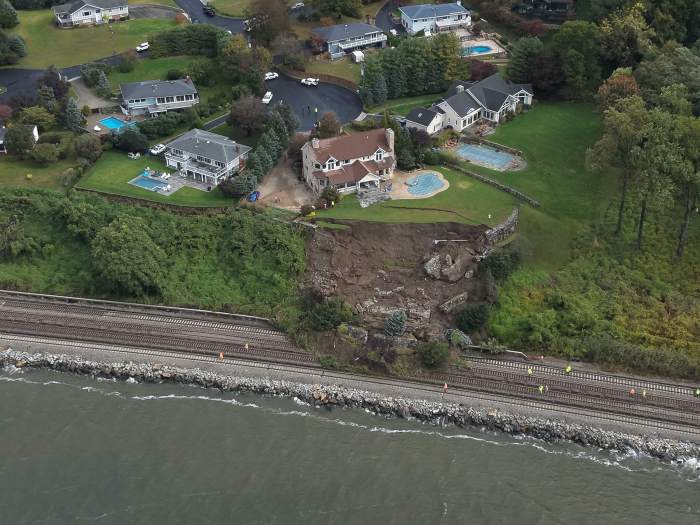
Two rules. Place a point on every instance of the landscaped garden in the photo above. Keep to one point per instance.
(112, 173)
(48, 45)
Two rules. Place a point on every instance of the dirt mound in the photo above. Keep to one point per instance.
(425, 269)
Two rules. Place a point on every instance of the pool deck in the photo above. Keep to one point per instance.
(95, 118)
(399, 188)
(495, 48)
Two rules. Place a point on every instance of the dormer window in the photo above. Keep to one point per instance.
(379, 155)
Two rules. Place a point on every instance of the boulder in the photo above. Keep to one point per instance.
(453, 302)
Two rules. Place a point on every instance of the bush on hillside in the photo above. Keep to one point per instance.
(433, 353)
(472, 317)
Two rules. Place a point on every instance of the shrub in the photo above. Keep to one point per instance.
(306, 209)
(502, 264)
(128, 62)
(8, 15)
(19, 140)
(240, 91)
(132, 141)
(433, 353)
(395, 324)
(44, 154)
(88, 147)
(330, 194)
(174, 74)
(325, 314)
(472, 317)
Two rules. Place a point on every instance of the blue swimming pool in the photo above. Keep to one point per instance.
(424, 184)
(147, 183)
(476, 50)
(486, 157)
(114, 123)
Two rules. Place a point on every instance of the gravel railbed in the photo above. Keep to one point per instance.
(547, 429)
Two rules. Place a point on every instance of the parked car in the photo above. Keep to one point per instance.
(143, 46)
(310, 81)
(209, 10)
(254, 196)
(298, 5)
(267, 98)
(271, 75)
(157, 149)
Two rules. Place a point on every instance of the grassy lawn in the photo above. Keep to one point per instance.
(150, 69)
(13, 173)
(171, 3)
(114, 170)
(467, 200)
(47, 45)
(235, 8)
(234, 133)
(343, 68)
(554, 139)
(401, 106)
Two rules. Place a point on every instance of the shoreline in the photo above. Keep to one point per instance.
(550, 429)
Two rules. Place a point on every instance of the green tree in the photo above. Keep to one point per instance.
(19, 140)
(621, 84)
(290, 120)
(44, 154)
(688, 178)
(37, 116)
(132, 141)
(254, 166)
(433, 353)
(269, 144)
(103, 88)
(8, 15)
(248, 113)
(625, 36)
(578, 46)
(46, 99)
(395, 324)
(522, 56)
(73, 118)
(448, 64)
(373, 89)
(620, 149)
(128, 259)
(276, 123)
(472, 317)
(88, 147)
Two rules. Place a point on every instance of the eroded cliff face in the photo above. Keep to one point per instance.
(428, 270)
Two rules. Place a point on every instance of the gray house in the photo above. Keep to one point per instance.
(344, 38)
(90, 12)
(205, 156)
(151, 97)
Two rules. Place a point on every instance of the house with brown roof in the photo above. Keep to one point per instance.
(349, 162)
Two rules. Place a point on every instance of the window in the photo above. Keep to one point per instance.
(160, 100)
(180, 98)
(97, 10)
(379, 155)
(219, 164)
(86, 13)
(170, 99)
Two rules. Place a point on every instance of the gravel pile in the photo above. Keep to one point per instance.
(551, 430)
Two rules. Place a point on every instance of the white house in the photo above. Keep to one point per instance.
(344, 38)
(3, 131)
(205, 157)
(151, 97)
(468, 102)
(90, 12)
(349, 162)
(434, 18)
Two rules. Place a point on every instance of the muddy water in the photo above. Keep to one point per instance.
(76, 450)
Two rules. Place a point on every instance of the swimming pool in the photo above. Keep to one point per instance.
(424, 184)
(147, 183)
(485, 156)
(114, 123)
(476, 50)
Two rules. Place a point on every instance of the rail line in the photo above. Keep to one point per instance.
(416, 386)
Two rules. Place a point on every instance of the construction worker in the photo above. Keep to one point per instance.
(568, 369)
(529, 371)
(632, 392)
(246, 346)
(541, 389)
(644, 393)
(697, 392)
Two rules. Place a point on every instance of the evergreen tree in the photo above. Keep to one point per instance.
(266, 161)
(104, 88)
(253, 165)
(395, 324)
(19, 140)
(522, 56)
(276, 123)
(73, 118)
(8, 15)
(290, 119)
(17, 45)
(46, 99)
(270, 144)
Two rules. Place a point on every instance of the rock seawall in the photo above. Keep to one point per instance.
(551, 430)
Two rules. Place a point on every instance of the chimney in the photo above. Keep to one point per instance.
(315, 143)
(390, 139)
(460, 88)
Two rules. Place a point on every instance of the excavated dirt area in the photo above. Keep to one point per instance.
(379, 268)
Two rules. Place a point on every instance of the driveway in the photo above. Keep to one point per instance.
(86, 97)
(152, 11)
(383, 20)
(19, 82)
(194, 8)
(305, 100)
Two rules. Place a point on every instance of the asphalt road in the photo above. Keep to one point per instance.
(383, 21)
(305, 100)
(194, 8)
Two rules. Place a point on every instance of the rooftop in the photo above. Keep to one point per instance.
(421, 116)
(343, 31)
(433, 10)
(209, 145)
(353, 146)
(72, 7)
(157, 88)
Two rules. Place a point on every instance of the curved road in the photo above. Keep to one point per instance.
(194, 8)
(383, 20)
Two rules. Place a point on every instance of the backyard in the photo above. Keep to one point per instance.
(343, 68)
(13, 173)
(554, 139)
(401, 106)
(112, 173)
(47, 45)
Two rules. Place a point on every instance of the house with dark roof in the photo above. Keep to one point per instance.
(466, 103)
(344, 38)
(434, 18)
(151, 97)
(205, 157)
(90, 12)
(349, 163)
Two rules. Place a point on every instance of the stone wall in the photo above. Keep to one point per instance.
(505, 229)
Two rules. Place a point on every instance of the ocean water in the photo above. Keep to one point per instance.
(79, 450)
